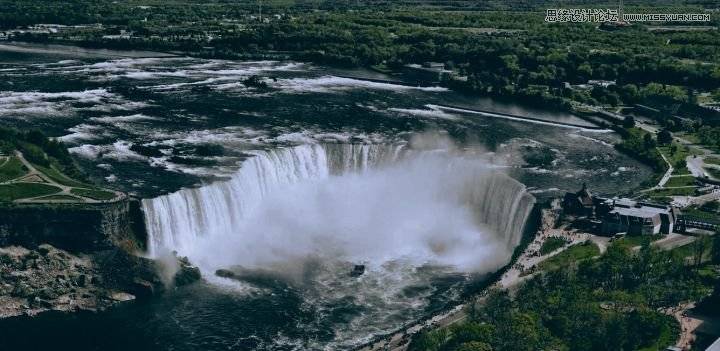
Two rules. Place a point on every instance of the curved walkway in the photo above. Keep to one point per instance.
(36, 177)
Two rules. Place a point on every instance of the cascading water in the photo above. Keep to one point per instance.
(357, 202)
(176, 221)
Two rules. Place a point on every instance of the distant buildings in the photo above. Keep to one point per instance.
(427, 73)
(579, 203)
(124, 34)
(50, 29)
(592, 83)
(613, 216)
(601, 83)
(637, 218)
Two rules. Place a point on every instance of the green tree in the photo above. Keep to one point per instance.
(475, 346)
(649, 141)
(522, 332)
(629, 122)
(664, 137)
(700, 246)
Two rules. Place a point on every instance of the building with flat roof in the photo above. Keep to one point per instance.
(637, 218)
(636, 221)
(621, 215)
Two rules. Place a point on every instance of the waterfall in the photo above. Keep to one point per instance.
(503, 205)
(184, 220)
(177, 220)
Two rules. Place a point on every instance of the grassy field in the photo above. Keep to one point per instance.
(680, 181)
(57, 176)
(60, 197)
(637, 240)
(713, 172)
(672, 192)
(689, 137)
(684, 251)
(11, 192)
(14, 168)
(715, 160)
(573, 254)
(94, 194)
(701, 214)
(552, 244)
(11, 169)
(678, 156)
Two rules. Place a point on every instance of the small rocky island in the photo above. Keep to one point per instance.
(65, 244)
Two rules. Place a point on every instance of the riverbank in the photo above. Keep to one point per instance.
(49, 279)
(44, 279)
(77, 51)
(544, 219)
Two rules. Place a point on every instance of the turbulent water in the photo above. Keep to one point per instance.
(290, 186)
(306, 214)
(340, 199)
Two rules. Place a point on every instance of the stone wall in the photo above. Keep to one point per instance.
(73, 227)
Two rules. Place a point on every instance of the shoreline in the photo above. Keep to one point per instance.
(383, 77)
(74, 50)
(400, 339)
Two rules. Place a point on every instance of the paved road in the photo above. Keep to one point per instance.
(697, 166)
(667, 175)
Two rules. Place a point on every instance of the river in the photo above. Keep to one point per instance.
(292, 184)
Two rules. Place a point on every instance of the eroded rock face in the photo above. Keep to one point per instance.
(34, 281)
(74, 227)
(47, 278)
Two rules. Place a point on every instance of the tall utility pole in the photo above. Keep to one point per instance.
(260, 10)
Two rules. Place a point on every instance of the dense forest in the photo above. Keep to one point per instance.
(615, 302)
(505, 53)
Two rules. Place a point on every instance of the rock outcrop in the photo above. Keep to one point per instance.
(33, 281)
(73, 227)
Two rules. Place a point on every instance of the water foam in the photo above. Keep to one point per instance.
(358, 203)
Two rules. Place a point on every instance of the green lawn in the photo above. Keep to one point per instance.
(94, 194)
(15, 191)
(57, 176)
(713, 172)
(552, 244)
(672, 192)
(712, 160)
(680, 181)
(636, 240)
(701, 214)
(683, 251)
(677, 158)
(574, 253)
(689, 137)
(12, 169)
(60, 197)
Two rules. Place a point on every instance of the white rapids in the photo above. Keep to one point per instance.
(352, 203)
